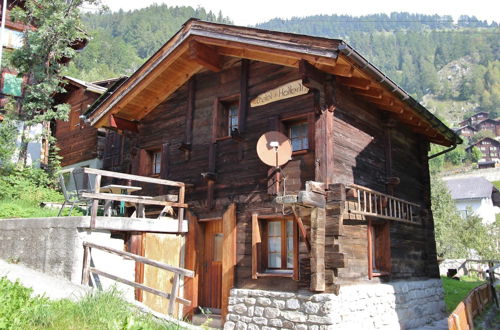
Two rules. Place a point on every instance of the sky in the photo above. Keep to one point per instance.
(250, 12)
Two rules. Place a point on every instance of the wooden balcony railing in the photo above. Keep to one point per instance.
(139, 201)
(368, 202)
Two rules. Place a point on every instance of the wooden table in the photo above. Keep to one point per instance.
(119, 190)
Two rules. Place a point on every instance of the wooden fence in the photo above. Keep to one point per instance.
(462, 318)
(172, 296)
(140, 201)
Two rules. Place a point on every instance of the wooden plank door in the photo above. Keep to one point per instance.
(211, 282)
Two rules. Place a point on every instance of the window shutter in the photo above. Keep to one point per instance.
(165, 153)
(256, 242)
(144, 162)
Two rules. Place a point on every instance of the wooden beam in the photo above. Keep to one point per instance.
(228, 256)
(310, 73)
(343, 70)
(205, 56)
(122, 124)
(318, 235)
(256, 241)
(371, 92)
(355, 82)
(394, 109)
(188, 138)
(243, 110)
(323, 148)
(385, 100)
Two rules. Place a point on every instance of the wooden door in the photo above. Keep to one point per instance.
(211, 281)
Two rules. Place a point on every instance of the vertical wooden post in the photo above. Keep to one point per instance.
(95, 202)
(86, 264)
(323, 143)
(173, 294)
(194, 242)
(256, 240)
(243, 109)
(182, 193)
(228, 256)
(318, 221)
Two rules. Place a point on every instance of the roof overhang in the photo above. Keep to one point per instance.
(202, 45)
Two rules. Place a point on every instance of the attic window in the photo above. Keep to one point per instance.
(226, 118)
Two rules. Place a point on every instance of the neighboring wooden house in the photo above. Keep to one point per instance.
(359, 175)
(79, 143)
(475, 118)
(491, 125)
(490, 150)
(475, 195)
(466, 131)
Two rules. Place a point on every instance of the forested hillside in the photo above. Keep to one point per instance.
(453, 68)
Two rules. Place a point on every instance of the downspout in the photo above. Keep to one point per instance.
(443, 152)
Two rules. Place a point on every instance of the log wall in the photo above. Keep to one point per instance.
(359, 136)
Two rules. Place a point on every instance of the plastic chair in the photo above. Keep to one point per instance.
(68, 188)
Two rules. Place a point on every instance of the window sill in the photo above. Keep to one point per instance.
(300, 152)
(379, 274)
(287, 274)
(223, 138)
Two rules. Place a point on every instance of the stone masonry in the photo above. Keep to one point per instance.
(397, 305)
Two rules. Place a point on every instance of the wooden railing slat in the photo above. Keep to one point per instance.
(141, 286)
(131, 199)
(182, 271)
(133, 177)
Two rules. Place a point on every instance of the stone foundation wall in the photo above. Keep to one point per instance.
(398, 305)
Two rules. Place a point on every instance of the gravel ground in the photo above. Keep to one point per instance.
(41, 283)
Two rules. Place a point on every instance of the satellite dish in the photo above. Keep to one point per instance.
(274, 148)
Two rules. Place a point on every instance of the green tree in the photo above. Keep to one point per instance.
(447, 222)
(8, 135)
(475, 154)
(58, 26)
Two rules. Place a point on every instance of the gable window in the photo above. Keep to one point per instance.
(156, 162)
(274, 247)
(232, 117)
(226, 118)
(379, 248)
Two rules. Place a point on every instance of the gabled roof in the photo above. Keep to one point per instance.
(470, 188)
(203, 45)
(485, 120)
(465, 126)
(86, 85)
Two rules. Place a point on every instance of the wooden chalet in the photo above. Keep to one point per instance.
(490, 150)
(358, 179)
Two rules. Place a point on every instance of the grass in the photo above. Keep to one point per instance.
(22, 208)
(99, 310)
(456, 291)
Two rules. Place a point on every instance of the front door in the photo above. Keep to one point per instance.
(211, 279)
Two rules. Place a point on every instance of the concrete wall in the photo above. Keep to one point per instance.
(397, 305)
(54, 246)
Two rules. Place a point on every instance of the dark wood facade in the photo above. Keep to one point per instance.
(357, 133)
(77, 141)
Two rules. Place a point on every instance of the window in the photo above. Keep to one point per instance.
(493, 148)
(226, 119)
(280, 244)
(274, 246)
(156, 162)
(379, 248)
(298, 134)
(232, 118)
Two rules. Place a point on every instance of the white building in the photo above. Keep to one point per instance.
(475, 194)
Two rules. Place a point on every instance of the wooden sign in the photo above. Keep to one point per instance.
(291, 89)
